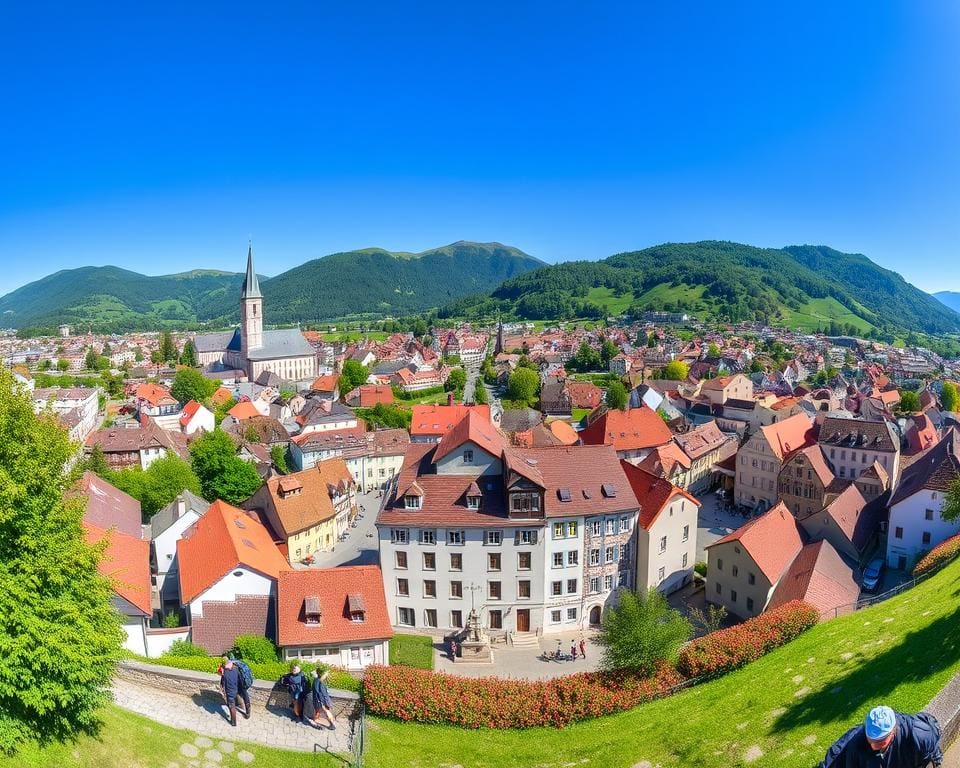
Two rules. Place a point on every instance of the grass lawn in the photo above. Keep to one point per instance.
(578, 414)
(412, 651)
(665, 292)
(819, 313)
(783, 710)
(616, 305)
(130, 741)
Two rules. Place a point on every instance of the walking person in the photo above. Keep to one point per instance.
(888, 739)
(321, 699)
(453, 650)
(232, 687)
(573, 650)
(583, 648)
(296, 685)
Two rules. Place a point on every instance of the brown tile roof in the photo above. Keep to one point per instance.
(789, 435)
(388, 442)
(877, 470)
(718, 383)
(436, 420)
(325, 383)
(816, 461)
(701, 440)
(818, 576)
(155, 394)
(635, 429)
(224, 538)
(921, 434)
(109, 507)
(126, 563)
(312, 503)
(267, 430)
(846, 510)
(337, 590)
(583, 394)
(651, 492)
(474, 427)
(857, 433)
(124, 440)
(934, 470)
(772, 540)
(224, 620)
(665, 460)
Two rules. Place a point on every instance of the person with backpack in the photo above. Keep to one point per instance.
(888, 739)
(296, 686)
(321, 699)
(232, 687)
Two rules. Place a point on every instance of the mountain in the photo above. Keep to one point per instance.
(805, 287)
(948, 298)
(369, 281)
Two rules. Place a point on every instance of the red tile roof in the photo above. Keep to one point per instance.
(818, 576)
(474, 427)
(109, 507)
(220, 541)
(221, 396)
(847, 511)
(126, 563)
(652, 493)
(325, 383)
(699, 441)
(155, 394)
(583, 394)
(772, 540)
(564, 432)
(244, 410)
(334, 588)
(922, 434)
(789, 435)
(189, 411)
(665, 460)
(635, 429)
(436, 420)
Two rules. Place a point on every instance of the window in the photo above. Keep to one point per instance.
(594, 557)
(661, 573)
(608, 555)
(495, 620)
(405, 616)
(624, 524)
(558, 529)
(494, 538)
(493, 590)
(403, 587)
(595, 584)
(608, 582)
(556, 588)
(609, 527)
(898, 532)
(398, 536)
(749, 603)
(523, 589)
(733, 595)
(555, 617)
(526, 537)
(663, 543)
(430, 617)
(468, 457)
(558, 559)
(571, 586)
(456, 589)
(454, 537)
(429, 561)
(926, 537)
(719, 563)
(751, 578)
(684, 563)
(719, 588)
(493, 561)
(401, 559)
(456, 619)
(411, 502)
(429, 588)
(928, 514)
(573, 557)
(525, 502)
(428, 536)
(473, 502)
(456, 562)
(843, 471)
(524, 561)
(571, 614)
(735, 571)
(572, 528)
(596, 527)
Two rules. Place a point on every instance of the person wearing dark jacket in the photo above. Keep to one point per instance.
(231, 684)
(888, 739)
(297, 688)
(321, 699)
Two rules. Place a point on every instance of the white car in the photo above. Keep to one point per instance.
(872, 573)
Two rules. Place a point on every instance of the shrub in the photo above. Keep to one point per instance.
(185, 649)
(270, 671)
(731, 648)
(412, 651)
(171, 620)
(489, 702)
(641, 632)
(700, 569)
(256, 648)
(943, 553)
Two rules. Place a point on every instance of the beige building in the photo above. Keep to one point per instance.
(723, 388)
(761, 458)
(853, 445)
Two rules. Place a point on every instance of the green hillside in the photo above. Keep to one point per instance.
(807, 287)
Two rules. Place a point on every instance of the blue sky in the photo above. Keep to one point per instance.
(159, 138)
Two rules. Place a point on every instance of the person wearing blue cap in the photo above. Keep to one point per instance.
(888, 739)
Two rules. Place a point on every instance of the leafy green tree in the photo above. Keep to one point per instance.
(189, 384)
(675, 370)
(480, 394)
(92, 360)
(278, 455)
(756, 366)
(168, 349)
(616, 396)
(63, 365)
(220, 411)
(159, 484)
(390, 416)
(352, 375)
(713, 350)
(60, 637)
(456, 381)
(949, 396)
(96, 462)
(641, 632)
(586, 358)
(222, 474)
(651, 340)
(909, 401)
(45, 365)
(523, 385)
(608, 351)
(188, 356)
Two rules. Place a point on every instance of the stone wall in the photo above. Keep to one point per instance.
(188, 684)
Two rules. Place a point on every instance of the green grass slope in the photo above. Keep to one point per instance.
(783, 710)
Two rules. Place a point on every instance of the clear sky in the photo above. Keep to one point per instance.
(158, 137)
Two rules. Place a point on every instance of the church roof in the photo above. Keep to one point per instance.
(251, 285)
(285, 342)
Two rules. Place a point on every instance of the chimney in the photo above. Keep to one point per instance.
(181, 507)
(449, 398)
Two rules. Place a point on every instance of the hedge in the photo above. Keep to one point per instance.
(416, 695)
(943, 553)
(728, 649)
(269, 671)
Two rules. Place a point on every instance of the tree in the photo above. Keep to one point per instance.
(456, 381)
(220, 411)
(382, 415)
(352, 375)
(60, 637)
(188, 356)
(278, 455)
(168, 350)
(675, 370)
(480, 394)
(96, 462)
(189, 384)
(92, 359)
(586, 358)
(949, 396)
(651, 340)
(756, 366)
(709, 620)
(640, 632)
(608, 351)
(713, 350)
(523, 386)
(616, 396)
(63, 365)
(909, 401)
(159, 484)
(222, 474)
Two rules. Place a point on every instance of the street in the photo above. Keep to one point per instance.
(714, 523)
(360, 546)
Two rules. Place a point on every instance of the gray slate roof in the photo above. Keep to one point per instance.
(212, 342)
(286, 342)
(168, 515)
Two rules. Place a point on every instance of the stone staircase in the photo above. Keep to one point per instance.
(525, 640)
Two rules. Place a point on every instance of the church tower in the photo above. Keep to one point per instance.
(500, 343)
(251, 310)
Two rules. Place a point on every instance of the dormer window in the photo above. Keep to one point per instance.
(468, 456)
(311, 610)
(473, 496)
(356, 608)
(412, 502)
(289, 486)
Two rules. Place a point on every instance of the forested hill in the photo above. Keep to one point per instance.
(808, 287)
(371, 281)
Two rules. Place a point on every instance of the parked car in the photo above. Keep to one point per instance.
(872, 573)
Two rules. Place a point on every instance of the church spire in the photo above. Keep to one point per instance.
(251, 286)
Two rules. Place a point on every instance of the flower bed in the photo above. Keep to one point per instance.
(940, 554)
(731, 648)
(428, 697)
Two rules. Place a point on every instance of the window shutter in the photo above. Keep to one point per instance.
(516, 538)
(533, 537)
